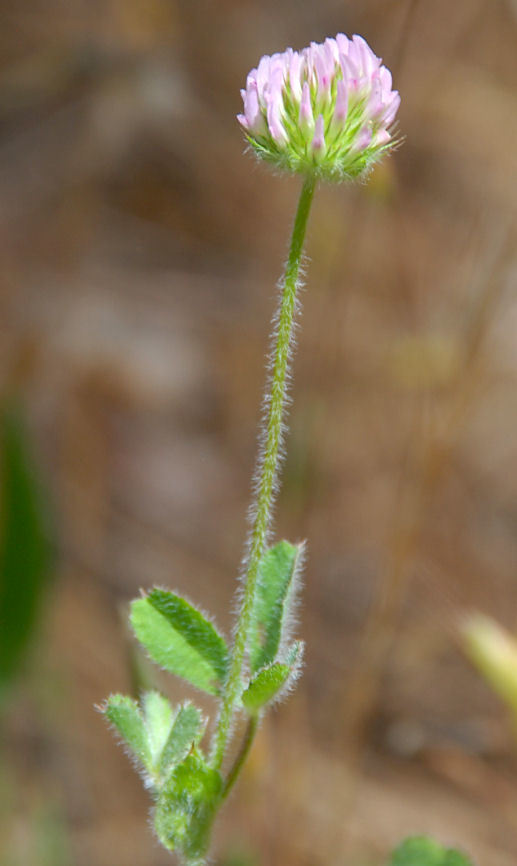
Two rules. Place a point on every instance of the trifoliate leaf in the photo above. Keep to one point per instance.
(159, 737)
(422, 851)
(265, 686)
(273, 598)
(125, 715)
(186, 807)
(180, 639)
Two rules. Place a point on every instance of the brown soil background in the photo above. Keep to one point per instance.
(139, 254)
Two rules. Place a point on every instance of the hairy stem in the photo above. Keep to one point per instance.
(267, 464)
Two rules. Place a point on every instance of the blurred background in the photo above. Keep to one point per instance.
(139, 251)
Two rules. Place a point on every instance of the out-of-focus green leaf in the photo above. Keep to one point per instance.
(456, 858)
(422, 851)
(51, 844)
(186, 807)
(265, 686)
(493, 650)
(25, 552)
(126, 717)
(180, 639)
(273, 595)
(237, 858)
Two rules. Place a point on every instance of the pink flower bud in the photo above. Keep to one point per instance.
(306, 118)
(318, 147)
(341, 109)
(274, 118)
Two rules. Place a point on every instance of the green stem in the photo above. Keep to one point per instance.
(243, 753)
(267, 465)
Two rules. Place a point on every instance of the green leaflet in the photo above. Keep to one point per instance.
(186, 731)
(421, 851)
(186, 807)
(180, 639)
(265, 686)
(25, 550)
(126, 716)
(159, 718)
(273, 595)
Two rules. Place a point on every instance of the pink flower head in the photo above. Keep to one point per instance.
(328, 109)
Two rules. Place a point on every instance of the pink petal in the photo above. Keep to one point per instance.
(274, 119)
(332, 51)
(318, 142)
(350, 72)
(306, 117)
(324, 74)
(393, 107)
(253, 113)
(365, 138)
(374, 105)
(342, 42)
(386, 79)
(341, 109)
(368, 59)
(295, 67)
(381, 138)
(263, 74)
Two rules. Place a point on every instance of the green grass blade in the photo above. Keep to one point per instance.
(25, 550)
